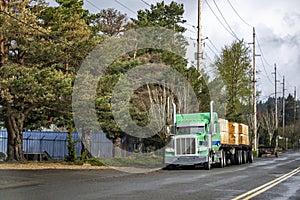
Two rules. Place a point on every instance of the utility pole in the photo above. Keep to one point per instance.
(295, 113)
(276, 105)
(254, 96)
(199, 40)
(276, 102)
(283, 108)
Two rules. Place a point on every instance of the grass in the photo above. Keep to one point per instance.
(134, 161)
(91, 161)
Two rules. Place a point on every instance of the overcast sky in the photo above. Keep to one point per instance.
(277, 24)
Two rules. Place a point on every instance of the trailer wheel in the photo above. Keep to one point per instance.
(232, 159)
(224, 158)
(244, 157)
(239, 157)
(250, 156)
(236, 157)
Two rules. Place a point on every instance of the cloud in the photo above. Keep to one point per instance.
(291, 19)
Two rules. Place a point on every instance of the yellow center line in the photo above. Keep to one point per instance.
(267, 186)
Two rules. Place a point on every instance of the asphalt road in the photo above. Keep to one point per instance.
(275, 175)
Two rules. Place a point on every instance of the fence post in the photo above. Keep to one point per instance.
(27, 143)
(41, 143)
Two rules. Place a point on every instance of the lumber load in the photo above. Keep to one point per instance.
(233, 138)
(224, 139)
(243, 134)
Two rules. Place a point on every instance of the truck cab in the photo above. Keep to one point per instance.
(195, 140)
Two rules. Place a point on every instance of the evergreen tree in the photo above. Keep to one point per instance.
(159, 15)
(234, 67)
(42, 48)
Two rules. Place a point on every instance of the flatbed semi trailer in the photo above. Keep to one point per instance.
(204, 139)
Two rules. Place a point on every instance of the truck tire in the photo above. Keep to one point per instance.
(244, 157)
(232, 159)
(224, 158)
(250, 156)
(237, 157)
(221, 159)
(241, 157)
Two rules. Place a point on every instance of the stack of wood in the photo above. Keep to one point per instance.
(224, 131)
(233, 133)
(243, 134)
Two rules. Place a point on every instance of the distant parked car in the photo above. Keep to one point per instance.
(267, 151)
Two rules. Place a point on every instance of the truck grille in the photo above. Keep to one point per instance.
(185, 146)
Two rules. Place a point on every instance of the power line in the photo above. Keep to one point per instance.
(263, 61)
(145, 3)
(281, 76)
(267, 75)
(22, 22)
(261, 52)
(95, 6)
(191, 25)
(125, 6)
(35, 28)
(209, 58)
(238, 14)
(191, 31)
(213, 45)
(271, 82)
(216, 54)
(224, 19)
(220, 20)
(195, 27)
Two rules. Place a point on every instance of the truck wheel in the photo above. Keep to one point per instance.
(224, 158)
(250, 156)
(240, 157)
(207, 165)
(232, 159)
(237, 157)
(244, 157)
(221, 159)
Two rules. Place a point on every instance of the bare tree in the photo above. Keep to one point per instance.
(267, 120)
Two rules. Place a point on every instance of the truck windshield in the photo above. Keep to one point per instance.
(190, 130)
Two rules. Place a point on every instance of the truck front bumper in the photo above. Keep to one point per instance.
(185, 160)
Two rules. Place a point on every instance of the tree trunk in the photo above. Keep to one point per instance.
(118, 147)
(14, 127)
(2, 50)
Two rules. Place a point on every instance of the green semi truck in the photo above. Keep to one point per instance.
(202, 139)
